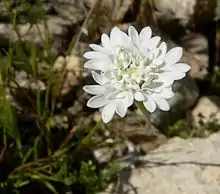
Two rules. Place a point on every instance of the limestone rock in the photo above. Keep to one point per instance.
(207, 109)
(179, 166)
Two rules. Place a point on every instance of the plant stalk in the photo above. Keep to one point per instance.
(146, 113)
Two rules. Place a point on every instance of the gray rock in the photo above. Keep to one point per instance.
(197, 45)
(116, 10)
(103, 155)
(177, 167)
(58, 26)
(195, 50)
(186, 94)
(24, 81)
(199, 68)
(175, 11)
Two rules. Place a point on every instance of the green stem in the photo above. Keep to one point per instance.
(86, 139)
(19, 146)
(146, 113)
(4, 137)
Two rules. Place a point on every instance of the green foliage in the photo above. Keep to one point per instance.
(215, 82)
(7, 188)
(41, 145)
(185, 129)
(181, 128)
(25, 11)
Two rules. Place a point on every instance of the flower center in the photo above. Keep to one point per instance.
(131, 70)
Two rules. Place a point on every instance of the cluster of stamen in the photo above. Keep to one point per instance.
(131, 70)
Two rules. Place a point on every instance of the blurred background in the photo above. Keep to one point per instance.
(50, 142)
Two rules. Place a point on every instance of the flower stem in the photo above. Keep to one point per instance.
(86, 139)
(146, 113)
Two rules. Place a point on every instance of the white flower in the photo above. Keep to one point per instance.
(132, 67)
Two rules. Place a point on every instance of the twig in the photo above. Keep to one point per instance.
(85, 23)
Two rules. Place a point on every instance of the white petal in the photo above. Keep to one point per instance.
(126, 96)
(174, 75)
(166, 78)
(158, 61)
(108, 111)
(115, 36)
(118, 37)
(124, 38)
(110, 74)
(178, 76)
(167, 93)
(94, 55)
(105, 41)
(181, 67)
(133, 34)
(99, 65)
(150, 105)
(97, 101)
(97, 48)
(162, 104)
(122, 95)
(152, 43)
(154, 85)
(163, 49)
(94, 89)
(129, 98)
(173, 55)
(145, 34)
(100, 79)
(112, 95)
(139, 96)
(94, 64)
(122, 108)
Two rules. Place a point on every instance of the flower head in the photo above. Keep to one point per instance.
(129, 67)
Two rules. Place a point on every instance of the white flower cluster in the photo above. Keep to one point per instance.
(129, 67)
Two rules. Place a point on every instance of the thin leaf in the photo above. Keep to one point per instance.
(7, 115)
(38, 103)
(33, 59)
(35, 147)
(50, 187)
(62, 172)
(27, 155)
(86, 139)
